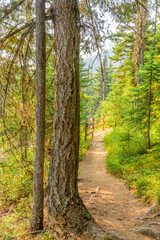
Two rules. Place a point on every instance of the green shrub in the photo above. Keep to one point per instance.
(129, 159)
(114, 167)
(15, 182)
(84, 145)
(141, 186)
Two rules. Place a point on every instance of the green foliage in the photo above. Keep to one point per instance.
(16, 223)
(84, 145)
(15, 182)
(128, 158)
(85, 84)
(95, 90)
(17, 158)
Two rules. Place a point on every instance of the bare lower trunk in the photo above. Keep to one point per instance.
(65, 208)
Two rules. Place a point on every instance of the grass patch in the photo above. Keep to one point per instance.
(15, 182)
(16, 221)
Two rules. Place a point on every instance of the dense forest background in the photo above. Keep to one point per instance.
(126, 86)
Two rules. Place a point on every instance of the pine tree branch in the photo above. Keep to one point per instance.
(138, 2)
(49, 16)
(9, 9)
(123, 21)
(12, 33)
(29, 24)
(9, 71)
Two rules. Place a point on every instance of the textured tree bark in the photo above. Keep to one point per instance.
(67, 213)
(37, 211)
(139, 43)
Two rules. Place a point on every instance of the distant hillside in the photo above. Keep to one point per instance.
(96, 64)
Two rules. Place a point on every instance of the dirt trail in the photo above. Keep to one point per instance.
(115, 207)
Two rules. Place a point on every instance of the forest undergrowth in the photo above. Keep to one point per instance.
(129, 158)
(16, 197)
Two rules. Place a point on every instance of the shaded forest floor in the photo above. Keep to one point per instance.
(112, 204)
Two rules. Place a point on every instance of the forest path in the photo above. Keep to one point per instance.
(115, 207)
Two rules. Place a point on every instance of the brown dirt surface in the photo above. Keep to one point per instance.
(112, 204)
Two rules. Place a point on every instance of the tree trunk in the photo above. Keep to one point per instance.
(37, 211)
(139, 43)
(149, 111)
(150, 94)
(104, 80)
(65, 208)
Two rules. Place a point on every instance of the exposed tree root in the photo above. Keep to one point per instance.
(91, 232)
(154, 223)
(83, 227)
(144, 218)
(153, 209)
(148, 231)
(111, 235)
